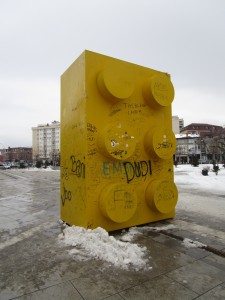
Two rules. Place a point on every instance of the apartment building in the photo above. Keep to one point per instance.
(177, 124)
(16, 154)
(187, 147)
(205, 141)
(202, 129)
(46, 142)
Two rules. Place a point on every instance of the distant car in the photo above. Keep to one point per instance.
(201, 161)
(4, 167)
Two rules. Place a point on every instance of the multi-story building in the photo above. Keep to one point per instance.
(177, 124)
(46, 142)
(204, 141)
(1, 155)
(16, 154)
(201, 129)
(187, 148)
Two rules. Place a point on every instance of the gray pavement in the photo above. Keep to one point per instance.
(34, 265)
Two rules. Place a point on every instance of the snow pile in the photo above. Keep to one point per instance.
(98, 244)
(188, 243)
(131, 234)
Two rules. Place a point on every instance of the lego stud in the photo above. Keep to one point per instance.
(117, 141)
(118, 202)
(161, 196)
(158, 91)
(115, 81)
(160, 143)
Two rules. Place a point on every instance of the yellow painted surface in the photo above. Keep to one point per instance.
(117, 144)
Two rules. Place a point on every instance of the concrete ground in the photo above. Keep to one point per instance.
(34, 265)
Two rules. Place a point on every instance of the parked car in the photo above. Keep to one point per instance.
(4, 166)
(201, 161)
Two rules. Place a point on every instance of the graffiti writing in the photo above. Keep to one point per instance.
(66, 195)
(122, 200)
(91, 127)
(109, 168)
(134, 111)
(114, 112)
(137, 169)
(79, 124)
(92, 151)
(119, 153)
(64, 173)
(128, 201)
(132, 170)
(77, 167)
(164, 145)
(90, 138)
(134, 105)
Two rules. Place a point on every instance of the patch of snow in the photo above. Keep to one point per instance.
(131, 234)
(135, 231)
(98, 244)
(34, 169)
(161, 228)
(188, 243)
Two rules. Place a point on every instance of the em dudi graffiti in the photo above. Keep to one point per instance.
(132, 170)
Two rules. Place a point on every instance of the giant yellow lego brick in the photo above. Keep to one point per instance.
(117, 144)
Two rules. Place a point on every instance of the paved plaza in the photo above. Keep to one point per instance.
(35, 265)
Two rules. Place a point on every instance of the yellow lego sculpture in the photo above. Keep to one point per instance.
(117, 144)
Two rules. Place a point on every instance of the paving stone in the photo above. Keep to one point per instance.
(177, 245)
(216, 261)
(102, 285)
(63, 291)
(207, 240)
(162, 258)
(198, 276)
(161, 288)
(114, 297)
(216, 293)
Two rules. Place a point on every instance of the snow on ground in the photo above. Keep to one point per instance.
(198, 194)
(188, 243)
(189, 175)
(97, 243)
(41, 169)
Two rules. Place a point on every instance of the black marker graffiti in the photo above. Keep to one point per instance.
(91, 127)
(77, 167)
(66, 195)
(164, 145)
(119, 153)
(137, 169)
(64, 173)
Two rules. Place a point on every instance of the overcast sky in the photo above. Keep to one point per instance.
(39, 39)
